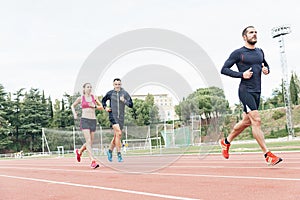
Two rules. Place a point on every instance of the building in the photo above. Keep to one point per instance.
(165, 105)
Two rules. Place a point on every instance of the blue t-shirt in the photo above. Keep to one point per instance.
(245, 58)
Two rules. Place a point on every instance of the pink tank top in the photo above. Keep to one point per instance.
(85, 104)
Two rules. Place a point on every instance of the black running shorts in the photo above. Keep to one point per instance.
(88, 124)
(250, 100)
(115, 120)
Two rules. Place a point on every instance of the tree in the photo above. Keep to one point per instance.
(276, 100)
(209, 102)
(62, 113)
(50, 110)
(45, 114)
(152, 108)
(35, 117)
(103, 119)
(16, 114)
(238, 110)
(294, 89)
(5, 140)
(56, 114)
(67, 114)
(144, 112)
(140, 112)
(186, 108)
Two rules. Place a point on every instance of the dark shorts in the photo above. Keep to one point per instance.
(115, 120)
(250, 100)
(88, 124)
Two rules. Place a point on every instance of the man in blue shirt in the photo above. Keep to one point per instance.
(250, 62)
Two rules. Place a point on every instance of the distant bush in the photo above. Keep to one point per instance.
(277, 134)
(277, 114)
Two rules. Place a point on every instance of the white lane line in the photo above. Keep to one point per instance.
(230, 177)
(162, 174)
(55, 169)
(232, 167)
(99, 187)
(28, 166)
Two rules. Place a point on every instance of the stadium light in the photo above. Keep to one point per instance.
(279, 32)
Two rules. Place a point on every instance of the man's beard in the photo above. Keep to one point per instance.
(252, 42)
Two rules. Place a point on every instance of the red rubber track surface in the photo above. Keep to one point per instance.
(243, 176)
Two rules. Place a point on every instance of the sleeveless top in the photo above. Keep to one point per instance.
(85, 104)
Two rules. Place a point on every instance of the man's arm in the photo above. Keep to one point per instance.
(233, 58)
(104, 99)
(128, 101)
(265, 64)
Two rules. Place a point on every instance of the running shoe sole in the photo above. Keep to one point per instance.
(95, 166)
(275, 163)
(120, 159)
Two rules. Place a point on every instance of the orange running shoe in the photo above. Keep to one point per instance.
(225, 148)
(94, 165)
(78, 155)
(272, 159)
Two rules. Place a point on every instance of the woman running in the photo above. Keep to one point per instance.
(89, 103)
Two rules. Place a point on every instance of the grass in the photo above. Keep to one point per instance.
(274, 146)
(237, 147)
(252, 146)
(273, 125)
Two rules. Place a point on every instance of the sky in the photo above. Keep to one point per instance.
(45, 43)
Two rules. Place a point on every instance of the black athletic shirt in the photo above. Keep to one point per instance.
(245, 58)
(116, 105)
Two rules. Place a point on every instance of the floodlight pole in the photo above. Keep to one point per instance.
(279, 32)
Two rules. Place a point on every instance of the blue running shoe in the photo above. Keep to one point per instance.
(109, 155)
(120, 159)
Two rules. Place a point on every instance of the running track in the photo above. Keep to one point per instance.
(243, 176)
